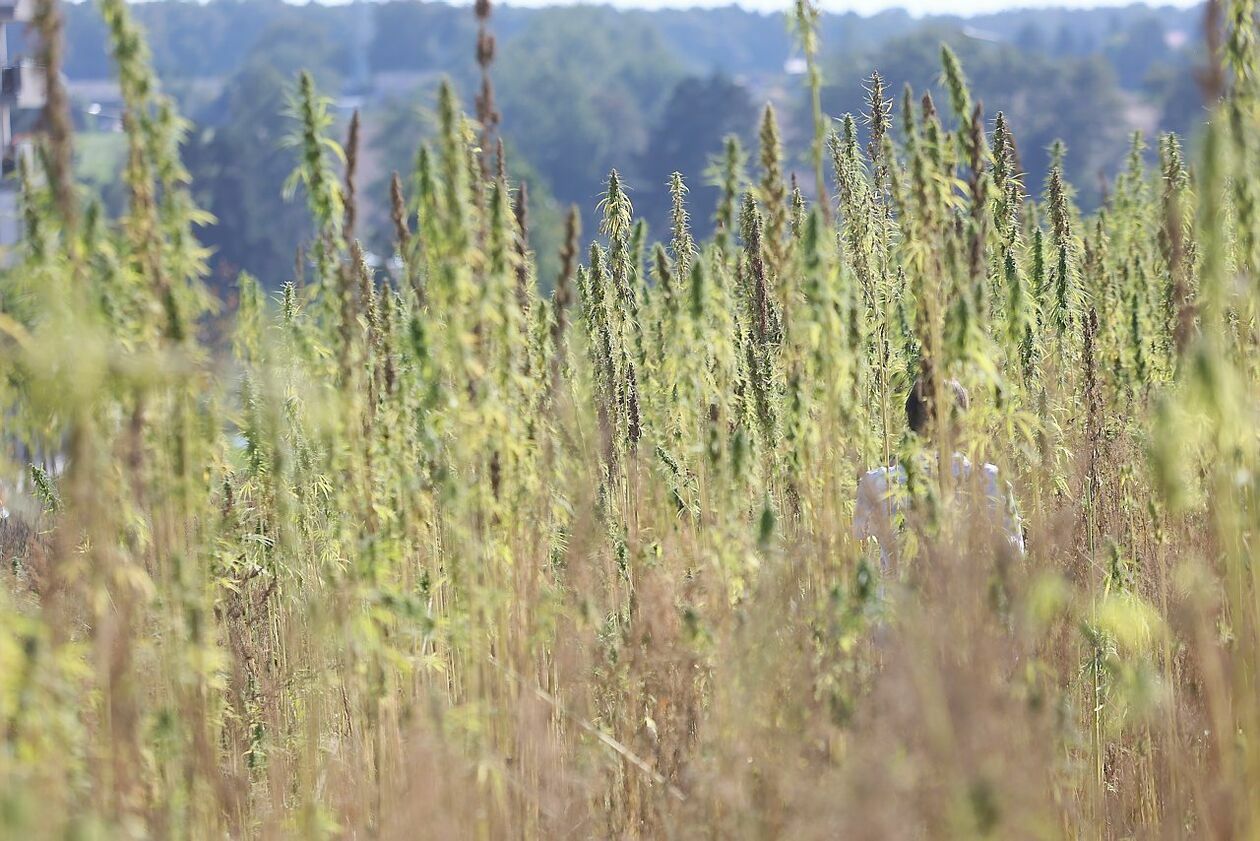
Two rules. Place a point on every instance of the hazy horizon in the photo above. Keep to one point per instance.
(917, 8)
(866, 7)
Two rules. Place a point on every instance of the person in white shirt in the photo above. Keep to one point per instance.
(882, 493)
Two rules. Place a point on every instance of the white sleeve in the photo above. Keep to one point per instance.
(870, 512)
(1004, 506)
(1014, 524)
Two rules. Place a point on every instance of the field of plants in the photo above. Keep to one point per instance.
(446, 549)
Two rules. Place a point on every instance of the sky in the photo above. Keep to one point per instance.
(927, 7)
(916, 7)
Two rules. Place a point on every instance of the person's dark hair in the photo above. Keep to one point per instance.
(919, 403)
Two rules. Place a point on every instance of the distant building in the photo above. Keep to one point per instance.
(22, 86)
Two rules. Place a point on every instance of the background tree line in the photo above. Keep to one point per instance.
(584, 89)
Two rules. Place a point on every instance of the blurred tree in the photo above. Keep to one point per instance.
(1031, 38)
(1135, 49)
(578, 93)
(401, 125)
(423, 36)
(700, 113)
(1045, 99)
(1174, 87)
(239, 167)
